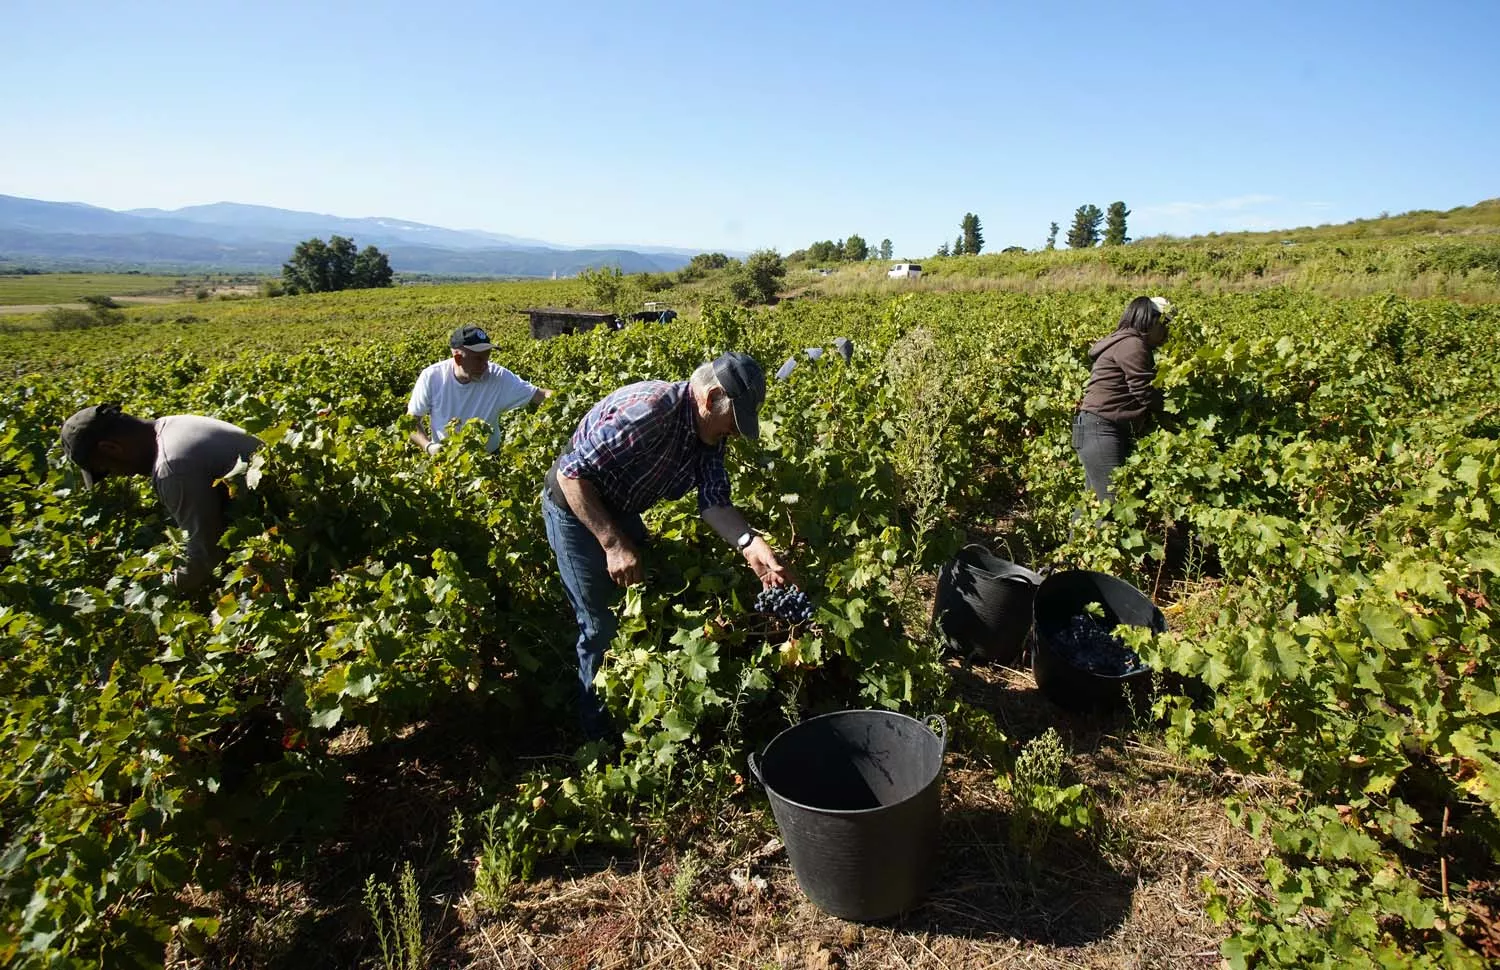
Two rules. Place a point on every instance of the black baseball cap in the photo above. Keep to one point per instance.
(470, 338)
(743, 380)
(82, 431)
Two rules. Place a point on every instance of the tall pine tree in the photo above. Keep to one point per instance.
(1052, 236)
(1085, 230)
(973, 235)
(1114, 228)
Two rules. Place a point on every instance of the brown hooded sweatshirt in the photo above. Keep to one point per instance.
(1119, 387)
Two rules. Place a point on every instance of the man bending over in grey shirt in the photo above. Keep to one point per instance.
(184, 454)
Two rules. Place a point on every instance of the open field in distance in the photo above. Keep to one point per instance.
(30, 292)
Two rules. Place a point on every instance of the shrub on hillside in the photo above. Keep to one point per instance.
(654, 282)
(72, 318)
(766, 271)
(701, 265)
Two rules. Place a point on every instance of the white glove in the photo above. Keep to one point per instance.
(433, 447)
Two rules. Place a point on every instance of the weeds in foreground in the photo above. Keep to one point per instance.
(689, 868)
(397, 915)
(1040, 802)
(494, 870)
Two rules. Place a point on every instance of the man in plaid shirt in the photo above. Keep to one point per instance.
(643, 443)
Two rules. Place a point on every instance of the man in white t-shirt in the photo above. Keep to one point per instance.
(468, 387)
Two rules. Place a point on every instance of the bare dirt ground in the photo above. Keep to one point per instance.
(19, 308)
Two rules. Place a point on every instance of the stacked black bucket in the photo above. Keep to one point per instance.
(987, 608)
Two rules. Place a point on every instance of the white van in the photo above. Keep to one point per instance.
(904, 271)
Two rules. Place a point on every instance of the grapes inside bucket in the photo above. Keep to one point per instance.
(1079, 662)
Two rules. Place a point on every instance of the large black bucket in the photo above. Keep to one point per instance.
(856, 797)
(1065, 595)
(983, 606)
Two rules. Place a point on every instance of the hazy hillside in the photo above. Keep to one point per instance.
(231, 236)
(261, 221)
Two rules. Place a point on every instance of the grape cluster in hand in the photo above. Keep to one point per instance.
(1088, 646)
(786, 603)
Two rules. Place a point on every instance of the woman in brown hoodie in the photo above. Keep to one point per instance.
(1120, 394)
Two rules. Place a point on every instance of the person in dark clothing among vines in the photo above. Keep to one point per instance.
(1120, 395)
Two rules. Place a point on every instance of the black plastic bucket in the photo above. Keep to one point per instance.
(856, 797)
(1065, 595)
(983, 606)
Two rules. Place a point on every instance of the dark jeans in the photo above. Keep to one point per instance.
(593, 595)
(1102, 446)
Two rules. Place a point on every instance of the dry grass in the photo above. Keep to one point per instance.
(1477, 287)
(1127, 896)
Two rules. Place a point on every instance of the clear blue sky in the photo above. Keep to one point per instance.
(738, 126)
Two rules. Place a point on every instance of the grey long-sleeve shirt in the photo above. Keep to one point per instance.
(192, 452)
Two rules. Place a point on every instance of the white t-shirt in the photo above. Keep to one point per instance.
(442, 398)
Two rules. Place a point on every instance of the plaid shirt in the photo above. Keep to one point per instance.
(640, 445)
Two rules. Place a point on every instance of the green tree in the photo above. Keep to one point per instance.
(371, 269)
(765, 270)
(741, 290)
(610, 289)
(708, 261)
(973, 234)
(342, 254)
(825, 251)
(943, 250)
(1052, 236)
(958, 246)
(1085, 230)
(1114, 228)
(319, 267)
(856, 249)
(701, 265)
(648, 282)
(308, 270)
(886, 249)
(604, 284)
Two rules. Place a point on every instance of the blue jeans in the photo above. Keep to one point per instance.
(1102, 446)
(592, 594)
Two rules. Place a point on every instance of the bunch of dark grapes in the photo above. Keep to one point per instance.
(785, 603)
(1088, 646)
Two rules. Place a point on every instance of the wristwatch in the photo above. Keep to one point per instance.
(747, 537)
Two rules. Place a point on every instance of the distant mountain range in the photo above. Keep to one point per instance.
(232, 236)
